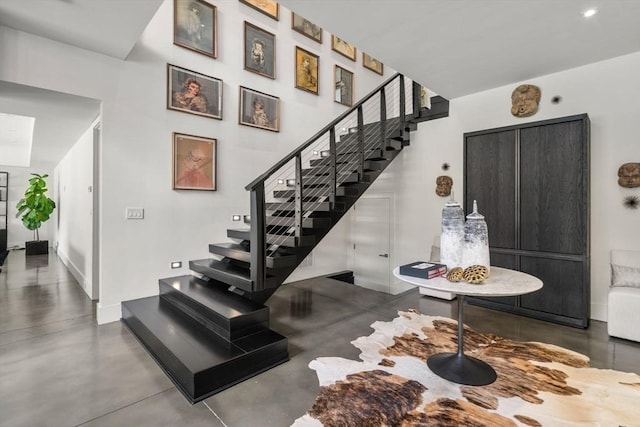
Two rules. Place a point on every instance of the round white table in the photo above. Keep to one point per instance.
(458, 367)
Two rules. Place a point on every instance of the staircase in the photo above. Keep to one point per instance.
(210, 330)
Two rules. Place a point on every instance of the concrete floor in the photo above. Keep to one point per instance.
(59, 368)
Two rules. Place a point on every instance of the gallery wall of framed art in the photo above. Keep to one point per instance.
(255, 83)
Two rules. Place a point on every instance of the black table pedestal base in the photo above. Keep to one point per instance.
(461, 369)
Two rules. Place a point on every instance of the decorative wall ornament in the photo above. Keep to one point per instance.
(443, 185)
(475, 248)
(525, 100)
(445, 166)
(452, 234)
(631, 202)
(629, 175)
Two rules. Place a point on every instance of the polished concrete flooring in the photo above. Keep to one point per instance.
(59, 368)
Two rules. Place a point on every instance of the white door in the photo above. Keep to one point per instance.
(370, 237)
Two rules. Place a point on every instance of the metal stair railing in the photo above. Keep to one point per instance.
(369, 117)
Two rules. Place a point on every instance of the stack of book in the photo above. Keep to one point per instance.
(423, 269)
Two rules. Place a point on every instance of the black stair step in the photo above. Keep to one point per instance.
(214, 307)
(317, 222)
(280, 239)
(322, 192)
(199, 362)
(290, 206)
(228, 273)
(236, 251)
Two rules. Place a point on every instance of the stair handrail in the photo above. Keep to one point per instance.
(322, 132)
(258, 229)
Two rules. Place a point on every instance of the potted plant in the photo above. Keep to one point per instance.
(34, 209)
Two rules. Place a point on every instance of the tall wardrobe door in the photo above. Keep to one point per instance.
(490, 180)
(552, 189)
(563, 292)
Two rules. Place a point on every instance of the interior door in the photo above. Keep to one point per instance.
(370, 236)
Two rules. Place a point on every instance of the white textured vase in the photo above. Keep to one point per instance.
(475, 248)
(452, 234)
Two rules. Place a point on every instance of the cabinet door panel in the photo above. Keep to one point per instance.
(563, 287)
(490, 180)
(552, 193)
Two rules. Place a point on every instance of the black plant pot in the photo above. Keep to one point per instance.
(37, 247)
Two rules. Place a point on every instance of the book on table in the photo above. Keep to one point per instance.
(423, 269)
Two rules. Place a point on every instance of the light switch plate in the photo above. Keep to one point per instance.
(135, 213)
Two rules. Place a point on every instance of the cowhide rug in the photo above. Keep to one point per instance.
(538, 384)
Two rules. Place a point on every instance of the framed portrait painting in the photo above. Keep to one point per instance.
(306, 70)
(343, 48)
(194, 26)
(343, 86)
(268, 7)
(259, 110)
(372, 64)
(194, 162)
(306, 27)
(193, 93)
(259, 51)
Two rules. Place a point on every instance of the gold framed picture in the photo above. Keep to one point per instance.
(372, 64)
(343, 83)
(343, 48)
(307, 70)
(195, 27)
(259, 110)
(193, 93)
(306, 27)
(270, 8)
(194, 162)
(259, 51)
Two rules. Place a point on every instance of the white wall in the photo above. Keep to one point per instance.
(136, 139)
(607, 91)
(73, 185)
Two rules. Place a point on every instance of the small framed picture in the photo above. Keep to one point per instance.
(268, 7)
(259, 51)
(194, 162)
(195, 27)
(306, 70)
(343, 48)
(372, 64)
(306, 27)
(259, 110)
(193, 93)
(343, 86)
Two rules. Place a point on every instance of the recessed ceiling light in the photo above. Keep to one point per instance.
(589, 13)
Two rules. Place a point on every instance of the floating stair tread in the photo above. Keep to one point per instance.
(227, 273)
(282, 239)
(236, 251)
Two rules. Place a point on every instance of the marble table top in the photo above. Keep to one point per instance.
(501, 282)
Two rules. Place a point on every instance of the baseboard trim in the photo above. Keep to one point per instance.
(108, 313)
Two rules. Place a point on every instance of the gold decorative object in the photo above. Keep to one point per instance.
(455, 274)
(475, 274)
(525, 100)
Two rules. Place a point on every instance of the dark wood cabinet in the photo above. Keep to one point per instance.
(531, 182)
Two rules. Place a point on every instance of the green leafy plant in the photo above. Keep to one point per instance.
(35, 208)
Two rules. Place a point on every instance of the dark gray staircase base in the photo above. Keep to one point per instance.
(199, 362)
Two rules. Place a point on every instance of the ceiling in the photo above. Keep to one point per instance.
(459, 47)
(455, 47)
